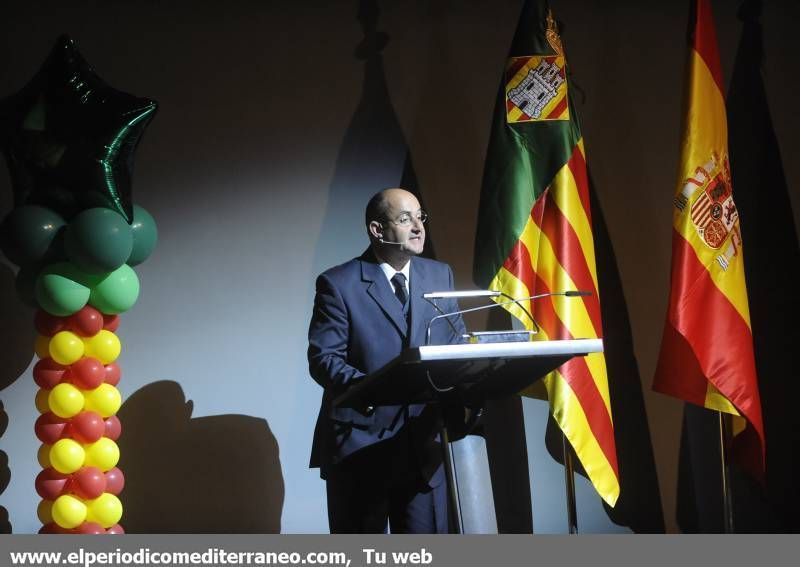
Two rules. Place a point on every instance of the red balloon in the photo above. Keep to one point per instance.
(113, 373)
(90, 528)
(88, 483)
(86, 322)
(116, 529)
(88, 373)
(47, 373)
(115, 481)
(49, 428)
(113, 428)
(111, 322)
(52, 528)
(87, 427)
(47, 324)
(50, 483)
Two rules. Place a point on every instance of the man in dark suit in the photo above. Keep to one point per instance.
(381, 463)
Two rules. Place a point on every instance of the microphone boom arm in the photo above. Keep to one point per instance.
(446, 316)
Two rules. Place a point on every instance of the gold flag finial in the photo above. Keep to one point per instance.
(551, 33)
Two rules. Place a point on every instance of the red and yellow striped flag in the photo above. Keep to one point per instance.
(707, 349)
(535, 233)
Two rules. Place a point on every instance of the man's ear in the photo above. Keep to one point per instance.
(376, 229)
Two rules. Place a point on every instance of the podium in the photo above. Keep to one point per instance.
(466, 374)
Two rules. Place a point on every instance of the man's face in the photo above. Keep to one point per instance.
(401, 223)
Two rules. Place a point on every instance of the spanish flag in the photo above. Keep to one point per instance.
(707, 348)
(535, 233)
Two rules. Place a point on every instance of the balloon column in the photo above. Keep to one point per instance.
(69, 141)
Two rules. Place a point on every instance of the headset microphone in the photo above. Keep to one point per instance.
(382, 241)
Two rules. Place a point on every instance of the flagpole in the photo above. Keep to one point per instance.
(569, 486)
(727, 496)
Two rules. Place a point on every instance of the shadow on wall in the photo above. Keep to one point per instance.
(5, 474)
(17, 337)
(216, 474)
(639, 505)
(373, 154)
(16, 332)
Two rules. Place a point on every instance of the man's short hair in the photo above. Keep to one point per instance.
(376, 208)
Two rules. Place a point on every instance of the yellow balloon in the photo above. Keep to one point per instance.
(45, 511)
(66, 348)
(42, 400)
(104, 346)
(69, 512)
(105, 510)
(67, 456)
(105, 400)
(103, 454)
(43, 456)
(41, 346)
(65, 400)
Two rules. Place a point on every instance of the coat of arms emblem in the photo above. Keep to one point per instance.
(536, 85)
(713, 212)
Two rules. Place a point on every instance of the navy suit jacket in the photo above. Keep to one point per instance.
(357, 327)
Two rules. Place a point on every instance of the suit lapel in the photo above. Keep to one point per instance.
(379, 289)
(419, 284)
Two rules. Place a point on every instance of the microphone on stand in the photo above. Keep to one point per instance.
(460, 294)
(430, 297)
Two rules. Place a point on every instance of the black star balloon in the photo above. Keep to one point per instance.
(70, 139)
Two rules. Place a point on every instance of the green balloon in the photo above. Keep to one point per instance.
(98, 240)
(59, 290)
(145, 236)
(28, 234)
(116, 292)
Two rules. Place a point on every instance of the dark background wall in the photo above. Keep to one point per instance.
(273, 128)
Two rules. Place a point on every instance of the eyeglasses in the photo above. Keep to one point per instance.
(406, 219)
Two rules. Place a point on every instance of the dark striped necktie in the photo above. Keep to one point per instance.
(399, 283)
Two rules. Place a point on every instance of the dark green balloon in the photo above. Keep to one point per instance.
(98, 240)
(60, 291)
(29, 234)
(145, 236)
(25, 284)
